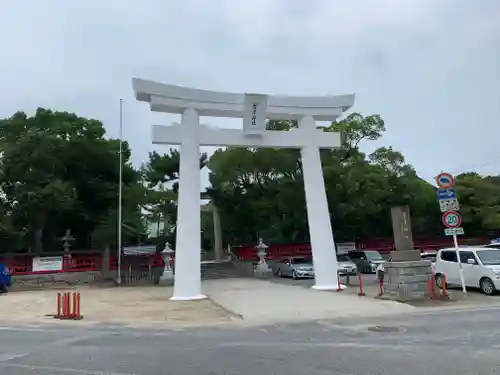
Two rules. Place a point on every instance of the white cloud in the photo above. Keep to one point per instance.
(430, 68)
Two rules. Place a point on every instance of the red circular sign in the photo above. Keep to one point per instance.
(445, 180)
(452, 219)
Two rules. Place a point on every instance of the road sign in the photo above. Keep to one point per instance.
(452, 219)
(445, 180)
(449, 205)
(446, 194)
(454, 231)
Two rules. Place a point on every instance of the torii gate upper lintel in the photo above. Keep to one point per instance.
(254, 109)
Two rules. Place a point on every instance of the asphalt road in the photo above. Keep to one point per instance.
(459, 342)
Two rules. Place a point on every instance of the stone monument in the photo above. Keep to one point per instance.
(254, 109)
(406, 275)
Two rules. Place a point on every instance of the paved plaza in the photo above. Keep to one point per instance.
(443, 342)
(232, 301)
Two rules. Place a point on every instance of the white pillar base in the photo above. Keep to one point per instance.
(189, 298)
(328, 287)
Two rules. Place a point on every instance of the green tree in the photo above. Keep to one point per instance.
(479, 203)
(260, 192)
(59, 172)
(160, 176)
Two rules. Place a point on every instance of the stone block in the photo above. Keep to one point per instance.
(405, 255)
(408, 280)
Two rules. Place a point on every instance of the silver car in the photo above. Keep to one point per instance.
(346, 265)
(295, 267)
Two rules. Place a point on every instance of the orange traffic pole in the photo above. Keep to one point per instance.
(58, 305)
(65, 304)
(380, 287)
(339, 286)
(78, 305)
(73, 312)
(361, 291)
(444, 292)
(68, 304)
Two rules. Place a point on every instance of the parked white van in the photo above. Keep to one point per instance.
(481, 266)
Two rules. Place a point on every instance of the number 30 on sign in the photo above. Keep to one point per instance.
(452, 219)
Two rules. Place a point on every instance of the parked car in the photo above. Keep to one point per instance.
(429, 256)
(296, 267)
(5, 278)
(493, 245)
(481, 268)
(346, 265)
(366, 261)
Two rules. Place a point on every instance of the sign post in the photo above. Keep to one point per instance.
(448, 203)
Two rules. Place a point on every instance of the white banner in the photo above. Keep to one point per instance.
(345, 247)
(47, 264)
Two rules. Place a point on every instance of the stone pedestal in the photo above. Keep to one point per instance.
(406, 281)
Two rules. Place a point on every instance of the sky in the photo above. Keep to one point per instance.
(430, 68)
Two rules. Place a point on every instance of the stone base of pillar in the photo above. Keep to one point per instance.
(189, 298)
(328, 287)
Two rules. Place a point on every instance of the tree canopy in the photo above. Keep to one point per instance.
(59, 171)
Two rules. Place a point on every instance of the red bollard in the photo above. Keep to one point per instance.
(78, 310)
(444, 293)
(380, 287)
(68, 305)
(339, 286)
(73, 311)
(432, 284)
(361, 291)
(58, 314)
(64, 303)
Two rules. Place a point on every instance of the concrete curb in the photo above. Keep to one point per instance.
(225, 309)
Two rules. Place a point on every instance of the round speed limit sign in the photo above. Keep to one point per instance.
(452, 219)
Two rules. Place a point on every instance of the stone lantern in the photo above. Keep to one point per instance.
(167, 254)
(262, 267)
(67, 239)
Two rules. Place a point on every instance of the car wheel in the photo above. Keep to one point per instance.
(3, 289)
(278, 272)
(439, 281)
(294, 275)
(487, 286)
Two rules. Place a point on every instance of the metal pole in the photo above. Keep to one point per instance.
(460, 267)
(119, 273)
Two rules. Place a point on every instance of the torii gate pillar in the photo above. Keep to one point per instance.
(254, 108)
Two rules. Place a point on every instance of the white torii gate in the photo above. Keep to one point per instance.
(254, 109)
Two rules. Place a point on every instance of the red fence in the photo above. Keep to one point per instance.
(384, 246)
(23, 264)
